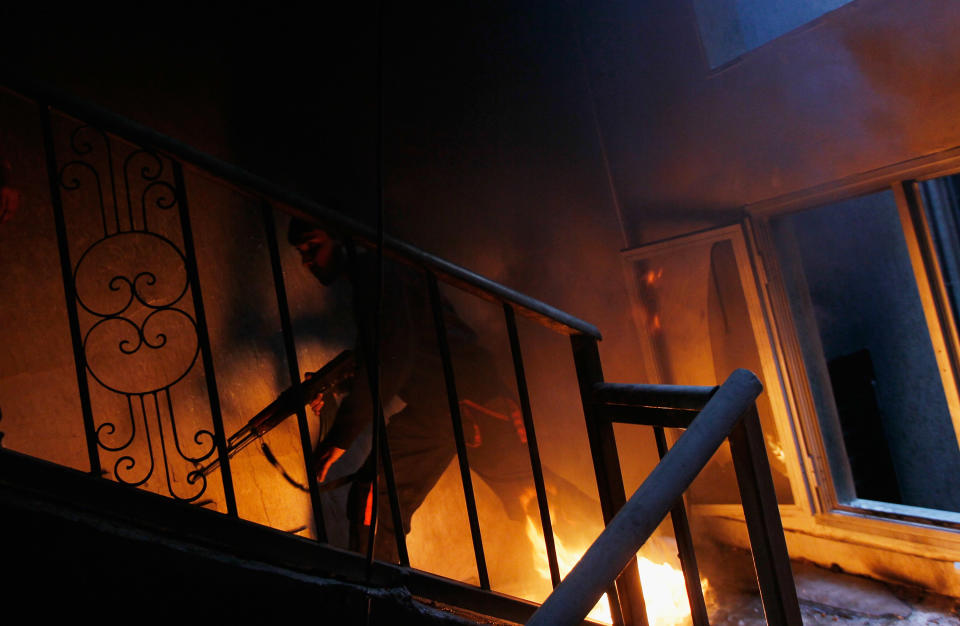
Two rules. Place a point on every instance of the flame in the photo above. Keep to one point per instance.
(775, 449)
(664, 590)
(652, 276)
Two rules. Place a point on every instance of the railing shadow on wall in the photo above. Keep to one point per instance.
(150, 381)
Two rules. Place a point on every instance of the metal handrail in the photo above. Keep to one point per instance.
(722, 414)
(55, 105)
(639, 517)
(300, 206)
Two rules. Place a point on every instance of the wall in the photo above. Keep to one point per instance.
(870, 84)
(491, 159)
(490, 149)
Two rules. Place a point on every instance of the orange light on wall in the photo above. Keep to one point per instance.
(9, 196)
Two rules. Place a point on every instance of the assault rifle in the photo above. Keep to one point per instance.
(339, 370)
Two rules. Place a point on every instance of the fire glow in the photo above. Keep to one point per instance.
(664, 590)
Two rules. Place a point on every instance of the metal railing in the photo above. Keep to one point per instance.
(710, 415)
(153, 166)
(147, 175)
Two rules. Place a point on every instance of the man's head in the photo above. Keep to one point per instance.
(320, 252)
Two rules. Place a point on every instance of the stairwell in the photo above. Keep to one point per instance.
(141, 526)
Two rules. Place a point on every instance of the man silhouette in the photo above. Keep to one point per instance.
(420, 434)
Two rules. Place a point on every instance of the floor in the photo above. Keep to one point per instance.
(828, 597)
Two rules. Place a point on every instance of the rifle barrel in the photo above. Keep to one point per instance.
(286, 404)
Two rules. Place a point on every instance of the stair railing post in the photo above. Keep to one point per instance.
(685, 550)
(453, 401)
(379, 445)
(293, 365)
(533, 448)
(203, 336)
(626, 598)
(69, 289)
(778, 591)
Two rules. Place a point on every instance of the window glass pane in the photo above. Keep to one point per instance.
(729, 28)
(701, 329)
(870, 362)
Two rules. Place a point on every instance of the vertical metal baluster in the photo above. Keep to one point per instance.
(66, 268)
(384, 447)
(606, 464)
(532, 446)
(390, 479)
(688, 558)
(778, 591)
(293, 365)
(437, 306)
(204, 338)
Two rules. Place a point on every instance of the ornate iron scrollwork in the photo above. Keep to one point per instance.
(141, 338)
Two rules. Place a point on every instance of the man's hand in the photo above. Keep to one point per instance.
(324, 459)
(316, 403)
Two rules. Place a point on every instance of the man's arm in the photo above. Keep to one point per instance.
(324, 459)
(352, 417)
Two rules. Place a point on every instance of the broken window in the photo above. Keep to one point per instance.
(701, 313)
(871, 365)
(846, 313)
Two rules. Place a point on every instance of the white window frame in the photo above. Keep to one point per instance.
(770, 358)
(857, 534)
(910, 530)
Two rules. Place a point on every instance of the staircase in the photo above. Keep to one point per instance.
(117, 514)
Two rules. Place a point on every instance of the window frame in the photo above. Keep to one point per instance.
(820, 527)
(915, 530)
(771, 358)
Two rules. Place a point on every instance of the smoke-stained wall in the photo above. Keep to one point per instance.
(491, 159)
(871, 84)
(491, 155)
